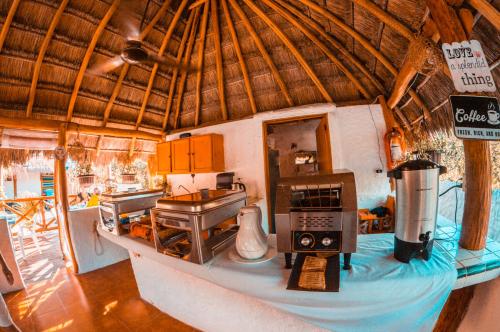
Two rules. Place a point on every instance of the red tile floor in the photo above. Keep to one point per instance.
(104, 300)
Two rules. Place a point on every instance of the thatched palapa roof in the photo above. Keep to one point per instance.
(254, 55)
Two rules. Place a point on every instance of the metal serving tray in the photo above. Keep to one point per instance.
(195, 203)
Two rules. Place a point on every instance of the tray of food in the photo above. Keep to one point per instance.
(315, 273)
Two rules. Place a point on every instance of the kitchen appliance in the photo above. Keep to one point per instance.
(417, 188)
(251, 240)
(195, 228)
(117, 209)
(226, 181)
(317, 214)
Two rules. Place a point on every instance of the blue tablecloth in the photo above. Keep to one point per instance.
(378, 294)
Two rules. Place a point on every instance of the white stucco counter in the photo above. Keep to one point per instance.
(378, 294)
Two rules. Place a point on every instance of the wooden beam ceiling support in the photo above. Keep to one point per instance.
(186, 61)
(239, 54)
(53, 125)
(41, 55)
(8, 21)
(262, 49)
(88, 54)
(126, 66)
(218, 58)
(478, 176)
(291, 47)
(390, 121)
(201, 57)
(385, 17)
(197, 4)
(322, 32)
(487, 10)
(320, 45)
(175, 73)
(353, 33)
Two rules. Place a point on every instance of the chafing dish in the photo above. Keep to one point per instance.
(195, 227)
(135, 203)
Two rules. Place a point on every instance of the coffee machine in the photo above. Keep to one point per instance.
(417, 190)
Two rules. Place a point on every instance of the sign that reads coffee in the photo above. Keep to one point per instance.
(469, 69)
(476, 117)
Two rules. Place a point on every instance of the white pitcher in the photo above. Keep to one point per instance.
(251, 240)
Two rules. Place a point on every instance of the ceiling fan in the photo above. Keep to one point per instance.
(134, 51)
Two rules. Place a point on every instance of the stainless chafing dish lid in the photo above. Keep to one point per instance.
(125, 195)
(195, 202)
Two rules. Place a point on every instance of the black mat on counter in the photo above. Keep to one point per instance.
(332, 274)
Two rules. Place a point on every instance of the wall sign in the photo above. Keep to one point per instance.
(468, 67)
(476, 117)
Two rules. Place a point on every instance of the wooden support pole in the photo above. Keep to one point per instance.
(62, 191)
(487, 10)
(478, 177)
(403, 80)
(390, 122)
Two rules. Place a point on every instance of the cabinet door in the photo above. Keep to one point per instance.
(201, 154)
(207, 153)
(180, 156)
(164, 157)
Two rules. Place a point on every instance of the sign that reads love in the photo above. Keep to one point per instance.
(476, 117)
(468, 67)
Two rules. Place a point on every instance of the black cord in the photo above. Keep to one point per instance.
(144, 15)
(452, 237)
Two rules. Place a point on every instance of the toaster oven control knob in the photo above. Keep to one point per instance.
(326, 241)
(306, 240)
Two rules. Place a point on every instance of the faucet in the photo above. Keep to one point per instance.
(181, 186)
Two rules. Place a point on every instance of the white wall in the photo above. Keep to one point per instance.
(356, 140)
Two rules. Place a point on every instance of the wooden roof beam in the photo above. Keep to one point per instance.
(486, 9)
(385, 17)
(322, 32)
(321, 45)
(218, 58)
(239, 54)
(53, 125)
(8, 21)
(262, 49)
(41, 55)
(186, 61)
(126, 66)
(175, 73)
(201, 57)
(288, 43)
(88, 55)
(197, 4)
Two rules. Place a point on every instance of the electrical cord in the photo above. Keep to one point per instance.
(456, 186)
(378, 139)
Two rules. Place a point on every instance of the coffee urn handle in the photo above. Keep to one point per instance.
(394, 173)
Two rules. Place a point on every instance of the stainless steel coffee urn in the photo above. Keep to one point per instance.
(417, 191)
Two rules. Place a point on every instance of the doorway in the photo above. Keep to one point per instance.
(294, 147)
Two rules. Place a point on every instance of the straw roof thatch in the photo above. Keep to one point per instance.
(339, 67)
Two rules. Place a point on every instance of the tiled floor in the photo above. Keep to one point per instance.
(36, 265)
(104, 300)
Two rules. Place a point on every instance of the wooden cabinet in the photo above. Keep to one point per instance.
(195, 154)
(181, 163)
(207, 153)
(164, 157)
